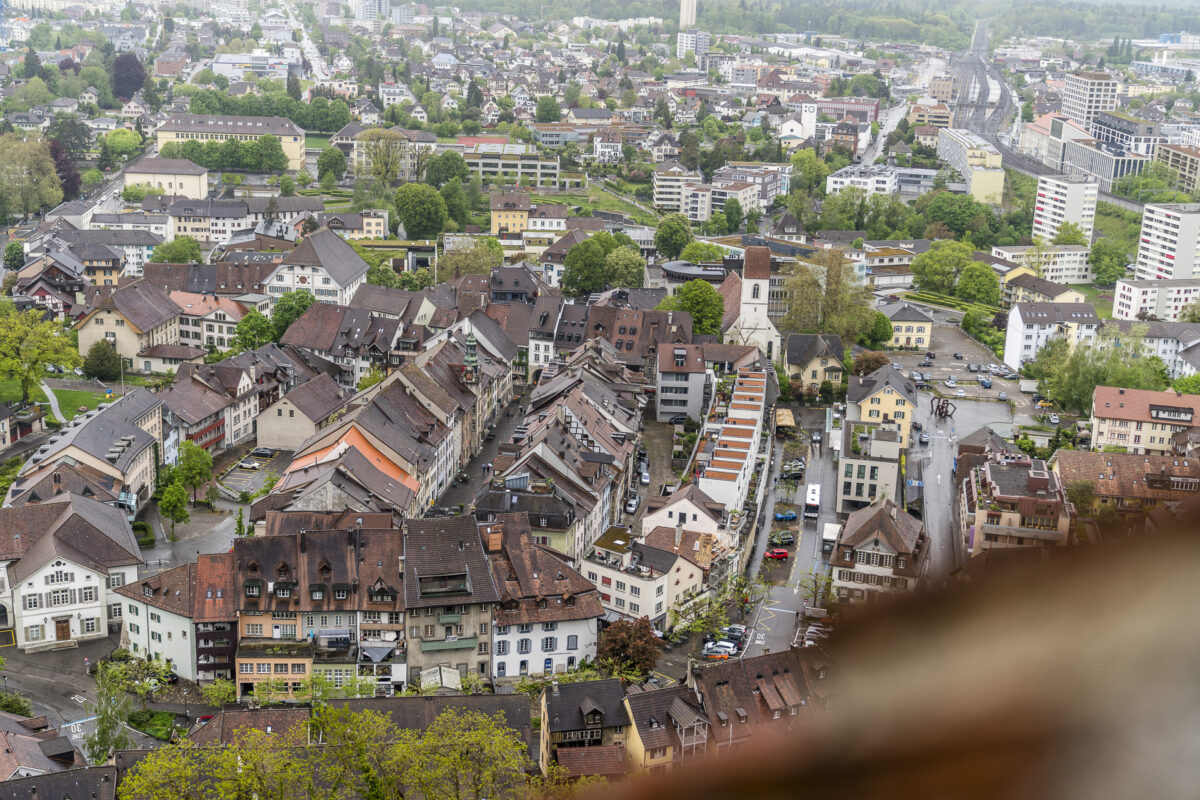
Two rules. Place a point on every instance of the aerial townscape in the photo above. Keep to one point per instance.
(517, 400)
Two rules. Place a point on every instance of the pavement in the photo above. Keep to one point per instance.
(464, 492)
(206, 532)
(242, 479)
(53, 401)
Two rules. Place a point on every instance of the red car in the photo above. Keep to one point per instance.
(777, 553)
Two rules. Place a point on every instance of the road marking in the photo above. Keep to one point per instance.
(665, 681)
(7, 638)
(78, 698)
(81, 721)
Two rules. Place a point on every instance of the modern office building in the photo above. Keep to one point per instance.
(1086, 94)
(976, 159)
(1064, 198)
(1185, 160)
(1169, 245)
(1104, 162)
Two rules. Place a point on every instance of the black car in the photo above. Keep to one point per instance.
(678, 419)
(958, 356)
(931, 355)
(925, 363)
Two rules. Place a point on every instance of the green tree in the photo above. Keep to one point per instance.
(978, 283)
(288, 308)
(626, 268)
(480, 258)
(180, 250)
(1108, 259)
(28, 342)
(195, 467)
(29, 175)
(584, 268)
(733, 214)
(123, 143)
(102, 361)
(697, 252)
(880, 331)
(868, 361)
(705, 304)
(548, 109)
(14, 256)
(1188, 385)
(442, 168)
(938, 268)
(331, 161)
(630, 643)
(809, 172)
(1082, 495)
(253, 331)
(826, 297)
(287, 186)
(421, 209)
(92, 177)
(239, 523)
(110, 710)
(372, 377)
(293, 87)
(173, 505)
(304, 179)
(1069, 233)
(674, 233)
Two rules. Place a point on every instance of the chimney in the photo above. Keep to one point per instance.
(302, 543)
(493, 536)
(678, 532)
(554, 688)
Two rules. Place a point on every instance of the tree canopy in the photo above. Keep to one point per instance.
(288, 308)
(180, 250)
(938, 268)
(698, 298)
(421, 209)
(674, 233)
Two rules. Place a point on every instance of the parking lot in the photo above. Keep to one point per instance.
(245, 479)
(948, 340)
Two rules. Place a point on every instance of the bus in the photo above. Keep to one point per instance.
(812, 501)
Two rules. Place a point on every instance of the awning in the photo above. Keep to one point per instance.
(377, 654)
(784, 418)
(333, 633)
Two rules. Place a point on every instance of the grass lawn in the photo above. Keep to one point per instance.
(597, 199)
(317, 141)
(68, 400)
(159, 724)
(1101, 298)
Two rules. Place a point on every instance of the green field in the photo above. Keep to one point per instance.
(316, 141)
(597, 199)
(68, 400)
(1093, 295)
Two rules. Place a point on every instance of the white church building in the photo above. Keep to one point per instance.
(746, 297)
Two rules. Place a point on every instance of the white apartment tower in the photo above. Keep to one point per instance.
(687, 14)
(1086, 94)
(1170, 241)
(1064, 198)
(692, 41)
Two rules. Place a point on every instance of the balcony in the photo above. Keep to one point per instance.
(446, 619)
(1040, 534)
(454, 643)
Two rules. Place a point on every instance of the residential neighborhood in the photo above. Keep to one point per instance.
(568, 399)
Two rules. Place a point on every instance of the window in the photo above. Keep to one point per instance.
(483, 629)
(502, 648)
(87, 594)
(33, 633)
(60, 597)
(155, 636)
(524, 646)
(298, 669)
(549, 644)
(134, 628)
(90, 624)
(340, 594)
(263, 669)
(245, 669)
(483, 648)
(254, 630)
(549, 626)
(524, 628)
(32, 601)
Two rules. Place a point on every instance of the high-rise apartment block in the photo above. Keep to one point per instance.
(1169, 246)
(692, 41)
(687, 14)
(1064, 198)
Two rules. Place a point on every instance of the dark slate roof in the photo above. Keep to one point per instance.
(250, 126)
(903, 312)
(444, 546)
(174, 166)
(95, 783)
(565, 709)
(318, 398)
(882, 520)
(863, 386)
(84, 531)
(324, 248)
(170, 590)
(143, 304)
(804, 347)
(96, 435)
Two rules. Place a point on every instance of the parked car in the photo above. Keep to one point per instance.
(631, 505)
(645, 479)
(1012, 376)
(1054, 419)
(925, 363)
(972, 367)
(924, 438)
(985, 383)
(783, 538)
(961, 393)
(262, 452)
(931, 355)
(816, 436)
(958, 356)
(718, 655)
(78, 372)
(950, 383)
(1002, 396)
(1045, 404)
(779, 554)
(678, 419)
(248, 465)
(785, 516)
(916, 426)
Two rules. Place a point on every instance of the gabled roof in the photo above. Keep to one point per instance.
(324, 248)
(567, 703)
(863, 386)
(86, 532)
(903, 312)
(145, 306)
(882, 520)
(446, 546)
(170, 590)
(802, 348)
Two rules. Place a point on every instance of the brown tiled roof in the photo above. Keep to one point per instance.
(757, 263)
(223, 728)
(171, 590)
(882, 520)
(1110, 402)
(318, 398)
(1127, 474)
(601, 760)
(215, 587)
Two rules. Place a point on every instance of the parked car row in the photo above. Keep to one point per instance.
(725, 643)
(815, 633)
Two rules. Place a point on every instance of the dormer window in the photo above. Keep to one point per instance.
(147, 591)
